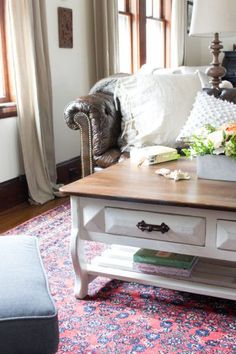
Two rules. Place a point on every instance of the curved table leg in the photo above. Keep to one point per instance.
(81, 276)
(77, 253)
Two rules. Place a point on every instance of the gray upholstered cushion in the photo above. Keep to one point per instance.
(28, 318)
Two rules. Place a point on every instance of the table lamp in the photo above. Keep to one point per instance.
(214, 18)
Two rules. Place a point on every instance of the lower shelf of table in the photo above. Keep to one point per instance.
(209, 277)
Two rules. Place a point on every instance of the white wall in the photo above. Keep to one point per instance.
(72, 70)
(193, 51)
(198, 53)
(206, 56)
(10, 151)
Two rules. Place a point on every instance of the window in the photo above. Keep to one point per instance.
(144, 33)
(7, 106)
(125, 35)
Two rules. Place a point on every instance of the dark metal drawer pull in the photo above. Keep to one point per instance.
(143, 226)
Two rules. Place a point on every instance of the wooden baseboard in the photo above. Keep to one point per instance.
(15, 191)
(69, 171)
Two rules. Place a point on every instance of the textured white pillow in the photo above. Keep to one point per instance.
(155, 107)
(207, 110)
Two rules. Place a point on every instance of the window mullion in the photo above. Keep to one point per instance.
(142, 31)
(167, 16)
(140, 24)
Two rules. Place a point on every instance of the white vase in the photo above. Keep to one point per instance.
(217, 167)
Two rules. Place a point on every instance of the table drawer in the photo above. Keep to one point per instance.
(182, 229)
(226, 235)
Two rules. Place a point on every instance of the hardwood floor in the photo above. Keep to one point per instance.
(23, 212)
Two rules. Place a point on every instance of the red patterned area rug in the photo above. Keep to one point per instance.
(120, 317)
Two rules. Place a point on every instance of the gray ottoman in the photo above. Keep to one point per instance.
(28, 318)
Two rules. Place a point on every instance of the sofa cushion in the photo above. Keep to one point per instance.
(155, 107)
(107, 85)
(107, 159)
(207, 110)
(28, 318)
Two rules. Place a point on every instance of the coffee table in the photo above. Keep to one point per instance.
(115, 204)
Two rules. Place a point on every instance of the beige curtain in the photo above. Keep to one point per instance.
(178, 32)
(106, 37)
(28, 40)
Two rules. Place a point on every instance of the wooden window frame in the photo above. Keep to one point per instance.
(7, 106)
(165, 17)
(136, 9)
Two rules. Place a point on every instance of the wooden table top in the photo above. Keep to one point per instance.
(127, 182)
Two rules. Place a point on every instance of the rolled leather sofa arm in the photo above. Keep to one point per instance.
(99, 124)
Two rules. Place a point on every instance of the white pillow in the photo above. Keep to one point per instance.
(207, 110)
(201, 70)
(205, 80)
(147, 69)
(155, 107)
(193, 69)
(164, 71)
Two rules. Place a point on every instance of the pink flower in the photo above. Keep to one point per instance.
(229, 128)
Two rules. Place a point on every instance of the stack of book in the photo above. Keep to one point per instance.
(159, 262)
(151, 155)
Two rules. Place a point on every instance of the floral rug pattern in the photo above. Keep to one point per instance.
(120, 317)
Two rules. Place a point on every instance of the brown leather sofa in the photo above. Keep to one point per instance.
(99, 121)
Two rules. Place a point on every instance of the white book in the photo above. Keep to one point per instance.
(151, 155)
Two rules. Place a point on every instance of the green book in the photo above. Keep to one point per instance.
(164, 258)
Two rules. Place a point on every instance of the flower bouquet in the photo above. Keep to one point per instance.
(215, 149)
(214, 141)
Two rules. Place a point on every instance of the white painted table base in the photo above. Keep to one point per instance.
(214, 275)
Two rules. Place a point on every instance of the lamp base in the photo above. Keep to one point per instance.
(216, 71)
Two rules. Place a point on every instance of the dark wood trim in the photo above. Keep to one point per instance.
(141, 11)
(15, 191)
(8, 110)
(127, 5)
(125, 13)
(69, 171)
(167, 15)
